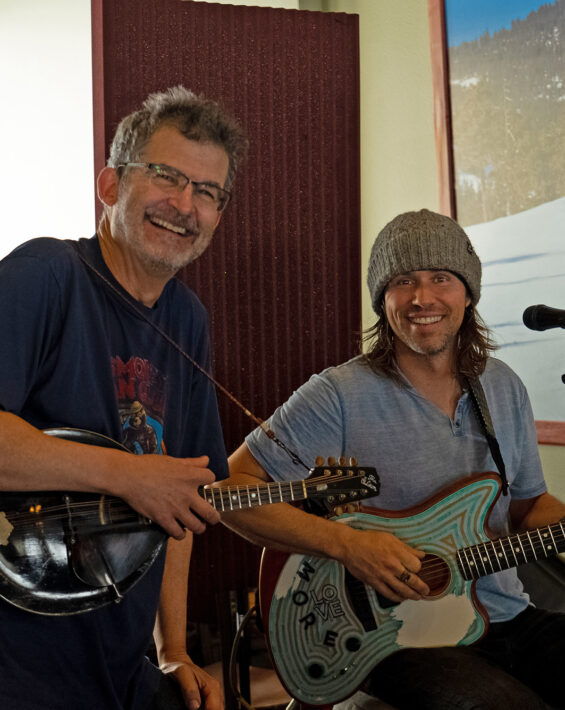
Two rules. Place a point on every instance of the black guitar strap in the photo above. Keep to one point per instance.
(480, 406)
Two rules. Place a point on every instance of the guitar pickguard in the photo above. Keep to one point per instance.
(327, 631)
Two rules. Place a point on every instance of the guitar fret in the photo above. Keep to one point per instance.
(550, 530)
(481, 558)
(496, 557)
(506, 560)
(216, 497)
(543, 548)
(513, 550)
(486, 558)
(280, 493)
(531, 545)
(469, 570)
(557, 528)
(519, 538)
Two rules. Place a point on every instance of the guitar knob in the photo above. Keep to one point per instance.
(353, 461)
(315, 670)
(319, 460)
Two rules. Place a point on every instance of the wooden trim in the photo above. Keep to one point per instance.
(442, 108)
(552, 433)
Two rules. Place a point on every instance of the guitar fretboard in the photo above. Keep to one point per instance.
(239, 497)
(506, 552)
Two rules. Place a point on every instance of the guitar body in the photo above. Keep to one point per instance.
(326, 630)
(56, 557)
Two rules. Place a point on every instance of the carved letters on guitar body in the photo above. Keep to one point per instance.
(326, 630)
(65, 552)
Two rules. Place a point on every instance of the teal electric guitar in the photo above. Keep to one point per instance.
(326, 630)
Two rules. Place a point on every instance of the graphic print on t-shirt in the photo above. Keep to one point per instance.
(140, 390)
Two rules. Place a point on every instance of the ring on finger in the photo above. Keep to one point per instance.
(404, 577)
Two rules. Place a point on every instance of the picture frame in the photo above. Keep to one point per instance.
(550, 430)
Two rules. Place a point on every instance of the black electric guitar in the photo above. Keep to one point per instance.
(326, 630)
(66, 552)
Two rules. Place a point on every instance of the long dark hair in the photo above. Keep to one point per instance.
(474, 346)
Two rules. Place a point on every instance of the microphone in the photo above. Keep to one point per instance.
(543, 317)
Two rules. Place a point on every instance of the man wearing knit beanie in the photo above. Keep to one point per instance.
(430, 408)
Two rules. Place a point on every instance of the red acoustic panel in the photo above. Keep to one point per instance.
(282, 277)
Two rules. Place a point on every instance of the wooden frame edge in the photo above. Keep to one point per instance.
(551, 433)
(442, 107)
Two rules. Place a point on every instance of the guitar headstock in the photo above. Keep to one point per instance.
(340, 481)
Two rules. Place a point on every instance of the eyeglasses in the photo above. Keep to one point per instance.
(172, 181)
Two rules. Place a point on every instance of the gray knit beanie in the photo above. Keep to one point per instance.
(419, 241)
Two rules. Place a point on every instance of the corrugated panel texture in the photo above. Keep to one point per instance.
(282, 277)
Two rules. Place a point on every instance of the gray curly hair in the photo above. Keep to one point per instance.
(196, 117)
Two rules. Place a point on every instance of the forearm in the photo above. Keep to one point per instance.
(170, 623)
(281, 526)
(164, 489)
(284, 527)
(379, 559)
(537, 512)
(31, 460)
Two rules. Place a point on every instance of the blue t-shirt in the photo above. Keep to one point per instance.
(416, 448)
(73, 354)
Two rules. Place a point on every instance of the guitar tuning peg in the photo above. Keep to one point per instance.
(352, 461)
(331, 461)
(319, 460)
(342, 461)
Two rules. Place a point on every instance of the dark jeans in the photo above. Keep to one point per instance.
(168, 695)
(518, 665)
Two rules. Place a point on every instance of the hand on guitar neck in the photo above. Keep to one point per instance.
(68, 551)
(161, 488)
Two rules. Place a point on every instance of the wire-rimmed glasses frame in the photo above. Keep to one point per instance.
(171, 180)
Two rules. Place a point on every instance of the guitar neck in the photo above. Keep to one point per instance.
(242, 497)
(506, 552)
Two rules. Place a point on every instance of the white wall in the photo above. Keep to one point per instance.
(47, 168)
(398, 162)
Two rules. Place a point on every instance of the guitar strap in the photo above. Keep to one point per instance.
(480, 406)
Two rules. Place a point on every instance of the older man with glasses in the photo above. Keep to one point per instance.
(83, 343)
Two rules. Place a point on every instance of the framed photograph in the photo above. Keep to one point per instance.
(499, 92)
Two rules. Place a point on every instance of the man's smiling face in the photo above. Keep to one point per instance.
(425, 310)
(165, 232)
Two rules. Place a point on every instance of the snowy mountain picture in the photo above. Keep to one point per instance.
(507, 91)
(523, 258)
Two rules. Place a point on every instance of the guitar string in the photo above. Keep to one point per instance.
(265, 491)
(431, 570)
